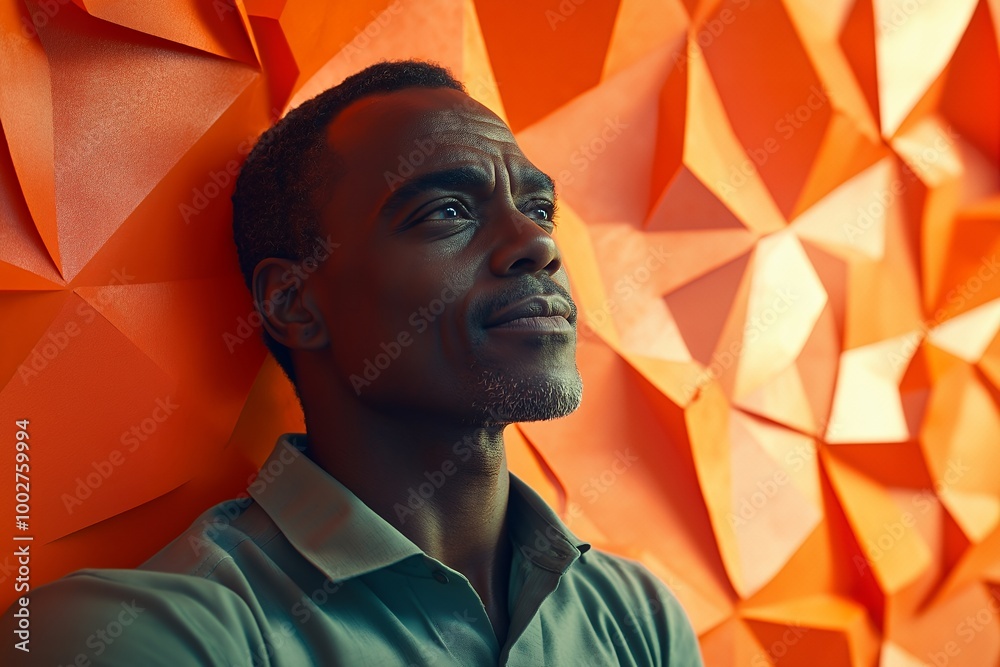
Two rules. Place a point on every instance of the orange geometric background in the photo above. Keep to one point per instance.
(780, 219)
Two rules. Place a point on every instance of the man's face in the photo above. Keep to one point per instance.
(447, 296)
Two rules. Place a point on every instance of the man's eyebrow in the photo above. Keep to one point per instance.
(467, 177)
(530, 179)
(458, 178)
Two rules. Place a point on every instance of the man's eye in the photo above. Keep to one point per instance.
(449, 212)
(543, 212)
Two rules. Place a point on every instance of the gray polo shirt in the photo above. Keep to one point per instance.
(302, 572)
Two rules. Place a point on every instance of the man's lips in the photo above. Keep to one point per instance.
(553, 324)
(536, 313)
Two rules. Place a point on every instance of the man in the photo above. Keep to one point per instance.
(391, 533)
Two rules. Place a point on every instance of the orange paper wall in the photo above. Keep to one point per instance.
(780, 219)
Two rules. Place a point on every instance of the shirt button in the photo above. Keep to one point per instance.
(440, 577)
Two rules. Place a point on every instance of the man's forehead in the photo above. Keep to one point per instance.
(395, 119)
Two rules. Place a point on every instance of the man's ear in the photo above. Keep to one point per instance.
(290, 313)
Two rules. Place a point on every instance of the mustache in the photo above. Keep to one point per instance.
(493, 303)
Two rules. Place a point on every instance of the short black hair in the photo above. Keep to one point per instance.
(274, 210)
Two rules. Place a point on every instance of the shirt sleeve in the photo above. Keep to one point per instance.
(682, 642)
(131, 617)
(656, 615)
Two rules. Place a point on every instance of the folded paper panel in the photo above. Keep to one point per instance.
(816, 367)
(783, 399)
(773, 96)
(958, 630)
(221, 329)
(970, 270)
(968, 335)
(530, 465)
(597, 147)
(894, 552)
(785, 301)
(933, 29)
(26, 116)
(24, 260)
(971, 98)
(714, 153)
(699, 326)
(866, 404)
(28, 343)
(963, 425)
(214, 27)
(140, 439)
(797, 632)
(568, 42)
(125, 133)
(183, 227)
(843, 152)
(640, 27)
(851, 221)
(769, 516)
(976, 563)
(427, 30)
(820, 26)
(857, 40)
(989, 364)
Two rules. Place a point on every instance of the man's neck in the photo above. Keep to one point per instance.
(446, 489)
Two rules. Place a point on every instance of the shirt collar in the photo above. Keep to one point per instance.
(345, 538)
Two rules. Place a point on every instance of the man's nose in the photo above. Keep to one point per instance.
(521, 245)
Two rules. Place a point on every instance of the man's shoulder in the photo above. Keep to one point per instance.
(187, 593)
(641, 601)
(636, 577)
(220, 534)
(119, 617)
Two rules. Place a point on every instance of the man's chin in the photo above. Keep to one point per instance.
(502, 399)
